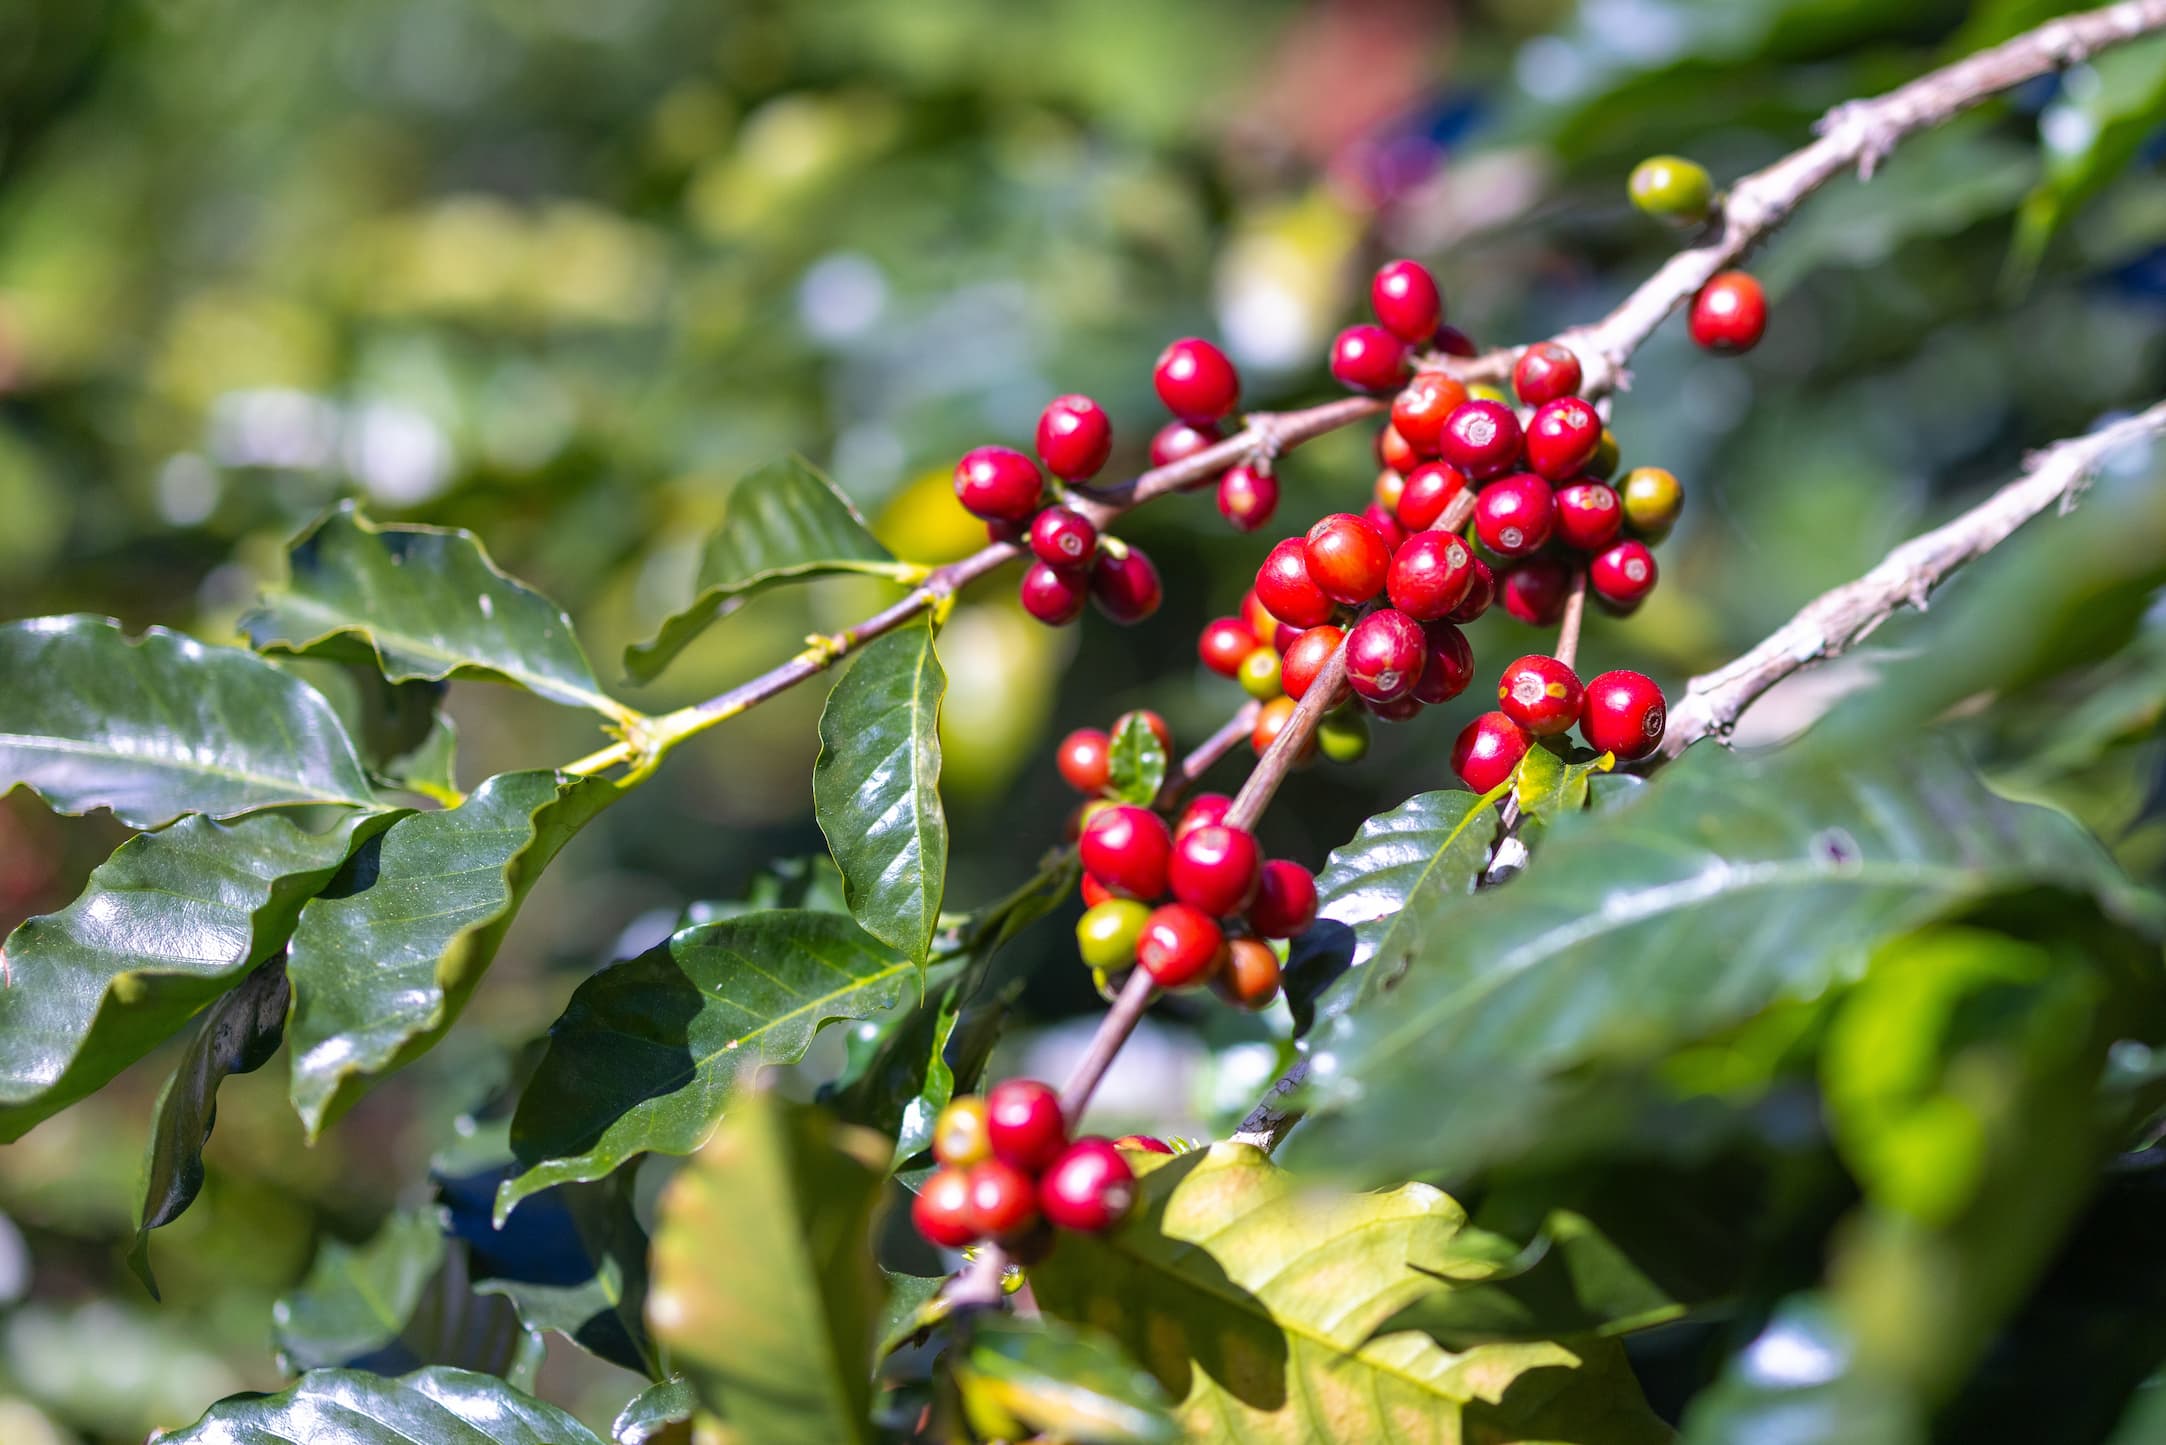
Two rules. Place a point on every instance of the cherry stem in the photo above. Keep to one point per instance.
(1575, 613)
(1208, 752)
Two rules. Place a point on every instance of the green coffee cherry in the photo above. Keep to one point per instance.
(1344, 735)
(1673, 189)
(1483, 391)
(1106, 934)
(1652, 501)
(1606, 456)
(1259, 673)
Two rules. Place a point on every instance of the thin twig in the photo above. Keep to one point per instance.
(1229, 736)
(1113, 1030)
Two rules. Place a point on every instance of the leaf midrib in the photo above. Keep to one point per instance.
(375, 634)
(167, 763)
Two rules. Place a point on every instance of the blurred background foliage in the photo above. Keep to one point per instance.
(560, 272)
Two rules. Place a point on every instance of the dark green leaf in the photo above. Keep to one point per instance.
(236, 1035)
(160, 725)
(354, 1407)
(1570, 1281)
(785, 521)
(765, 1291)
(649, 1051)
(876, 788)
(1043, 1378)
(1138, 763)
(1723, 886)
(406, 740)
(912, 1306)
(421, 603)
(171, 921)
(654, 1410)
(383, 962)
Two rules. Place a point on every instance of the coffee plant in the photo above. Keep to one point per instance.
(1544, 1014)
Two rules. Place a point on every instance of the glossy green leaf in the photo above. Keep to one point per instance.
(914, 1304)
(406, 740)
(421, 603)
(1137, 763)
(168, 923)
(1549, 785)
(653, 1410)
(765, 1289)
(650, 1051)
(1723, 886)
(237, 1034)
(574, 1262)
(876, 788)
(354, 1407)
(1046, 1379)
(785, 522)
(160, 725)
(1569, 1281)
(1256, 1301)
(383, 962)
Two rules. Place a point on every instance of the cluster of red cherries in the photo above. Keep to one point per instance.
(1009, 1174)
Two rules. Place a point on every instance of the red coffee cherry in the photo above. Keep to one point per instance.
(1515, 515)
(1384, 655)
(1394, 451)
(1418, 413)
(1398, 710)
(1257, 616)
(1089, 1189)
(1271, 720)
(941, 1210)
(1488, 750)
(1085, 760)
(1541, 694)
(1054, 595)
(1482, 438)
(1453, 342)
(1144, 1143)
(1125, 587)
(1534, 591)
(1562, 438)
(1286, 590)
(1368, 358)
(1224, 644)
(1623, 576)
(1430, 575)
(1346, 558)
(1387, 489)
(1075, 436)
(1730, 313)
(1127, 849)
(1250, 977)
(1385, 523)
(1624, 714)
(1181, 945)
(1149, 719)
(1430, 488)
(1196, 381)
(1285, 900)
(1306, 658)
(1215, 868)
(1024, 1123)
(1178, 440)
(1092, 891)
(1544, 372)
(1003, 1199)
(1588, 516)
(1447, 664)
(1247, 496)
(999, 484)
(1480, 593)
(1407, 300)
(961, 1135)
(1203, 810)
(1063, 537)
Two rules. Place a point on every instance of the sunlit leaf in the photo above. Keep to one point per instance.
(1050, 1380)
(354, 1407)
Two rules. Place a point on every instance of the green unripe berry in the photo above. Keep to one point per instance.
(1484, 391)
(1259, 674)
(1606, 456)
(1344, 735)
(1652, 501)
(1106, 934)
(1671, 188)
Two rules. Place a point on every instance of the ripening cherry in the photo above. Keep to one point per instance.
(1368, 358)
(1215, 868)
(1673, 189)
(961, 1135)
(1562, 437)
(1384, 655)
(1346, 558)
(1623, 576)
(1541, 694)
(1075, 436)
(1430, 489)
(1144, 1143)
(1203, 810)
(1515, 515)
(1544, 372)
(1181, 945)
(1447, 664)
(1196, 381)
(1178, 440)
(1106, 934)
(1588, 516)
(1127, 849)
(1247, 496)
(1089, 1188)
(1024, 1123)
(1063, 537)
(1342, 735)
(1054, 595)
(1149, 719)
(1481, 592)
(1271, 720)
(1393, 450)
(1262, 675)
(1430, 575)
(1257, 616)
(1652, 502)
(999, 484)
(1730, 314)
(1091, 891)
(1535, 590)
(1085, 760)
(1407, 300)
(1285, 900)
(1224, 644)
(1419, 411)
(1624, 714)
(1488, 751)
(1385, 523)
(1125, 585)
(1250, 976)
(1003, 1199)
(1286, 590)
(941, 1210)
(1306, 658)
(1482, 438)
